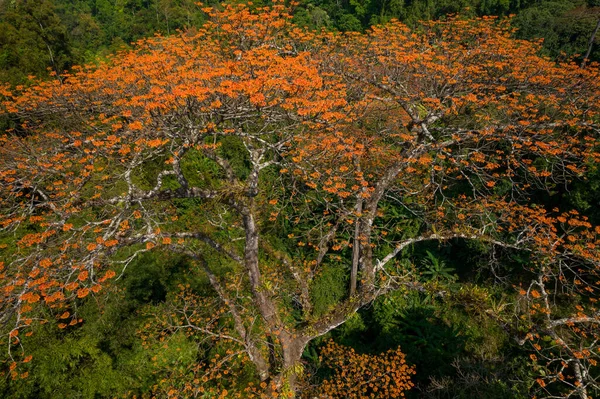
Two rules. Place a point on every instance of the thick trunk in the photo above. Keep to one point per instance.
(368, 271)
(261, 297)
(286, 381)
(292, 346)
(261, 364)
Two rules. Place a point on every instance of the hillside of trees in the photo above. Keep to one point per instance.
(346, 199)
(39, 34)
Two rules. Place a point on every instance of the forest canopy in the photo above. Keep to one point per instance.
(37, 35)
(249, 187)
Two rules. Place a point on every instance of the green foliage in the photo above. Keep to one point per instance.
(585, 195)
(95, 359)
(71, 367)
(488, 379)
(329, 287)
(459, 350)
(348, 22)
(313, 17)
(565, 27)
(410, 321)
(32, 39)
(104, 356)
(436, 269)
(232, 149)
(55, 34)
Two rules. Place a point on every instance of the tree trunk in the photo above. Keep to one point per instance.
(292, 348)
(356, 249)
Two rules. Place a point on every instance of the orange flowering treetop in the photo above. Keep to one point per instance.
(289, 147)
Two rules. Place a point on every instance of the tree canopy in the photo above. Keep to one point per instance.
(270, 157)
(37, 36)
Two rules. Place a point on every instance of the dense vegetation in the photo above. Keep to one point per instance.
(56, 34)
(190, 217)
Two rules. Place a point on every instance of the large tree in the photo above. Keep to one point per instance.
(269, 156)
